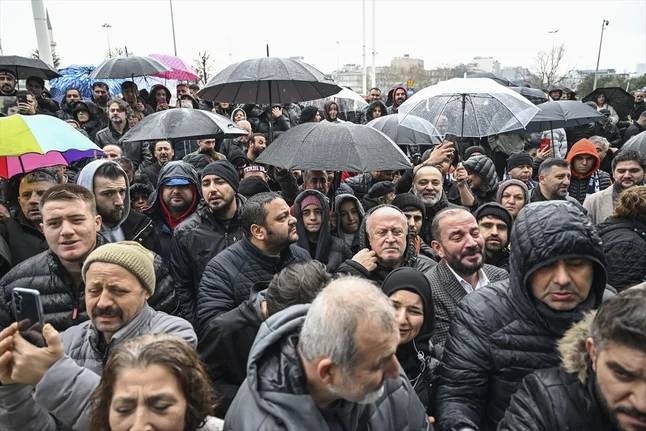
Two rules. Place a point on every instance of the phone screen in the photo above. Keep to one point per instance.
(28, 311)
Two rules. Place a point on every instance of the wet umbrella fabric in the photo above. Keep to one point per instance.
(499, 79)
(183, 123)
(347, 100)
(617, 97)
(636, 143)
(25, 67)
(334, 147)
(78, 76)
(127, 67)
(562, 113)
(178, 69)
(470, 107)
(269, 80)
(410, 139)
(534, 95)
(15, 165)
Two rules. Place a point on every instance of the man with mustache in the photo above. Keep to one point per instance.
(506, 330)
(53, 385)
(267, 247)
(461, 270)
(162, 153)
(7, 83)
(600, 383)
(428, 185)
(494, 222)
(214, 226)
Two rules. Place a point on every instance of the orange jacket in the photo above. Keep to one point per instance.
(584, 147)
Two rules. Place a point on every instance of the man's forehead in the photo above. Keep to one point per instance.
(65, 208)
(491, 219)
(458, 222)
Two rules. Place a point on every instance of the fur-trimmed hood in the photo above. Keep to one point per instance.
(574, 356)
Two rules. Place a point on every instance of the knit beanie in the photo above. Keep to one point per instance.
(310, 200)
(130, 255)
(519, 159)
(408, 201)
(382, 188)
(251, 186)
(512, 182)
(225, 170)
(476, 149)
(495, 210)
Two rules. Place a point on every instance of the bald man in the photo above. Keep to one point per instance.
(387, 246)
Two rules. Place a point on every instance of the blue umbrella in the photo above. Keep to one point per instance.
(78, 76)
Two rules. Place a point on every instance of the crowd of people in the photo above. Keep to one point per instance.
(185, 286)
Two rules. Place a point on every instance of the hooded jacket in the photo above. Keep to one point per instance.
(152, 100)
(624, 242)
(326, 112)
(274, 395)
(94, 124)
(354, 242)
(410, 257)
(65, 390)
(562, 398)
(157, 210)
(593, 181)
(501, 333)
(23, 241)
(394, 108)
(327, 249)
(195, 241)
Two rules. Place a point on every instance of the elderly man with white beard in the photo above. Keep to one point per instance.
(427, 185)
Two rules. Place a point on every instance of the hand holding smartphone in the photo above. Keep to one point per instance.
(28, 312)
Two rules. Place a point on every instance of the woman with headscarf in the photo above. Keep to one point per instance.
(513, 195)
(238, 114)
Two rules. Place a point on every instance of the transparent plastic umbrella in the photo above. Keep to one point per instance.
(410, 140)
(468, 107)
(346, 99)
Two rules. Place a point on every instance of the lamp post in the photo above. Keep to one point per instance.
(172, 24)
(107, 28)
(604, 24)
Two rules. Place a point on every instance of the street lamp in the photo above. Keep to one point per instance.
(604, 24)
(107, 28)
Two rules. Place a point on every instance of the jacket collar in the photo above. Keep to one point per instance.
(130, 330)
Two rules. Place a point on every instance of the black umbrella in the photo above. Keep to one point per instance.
(24, 67)
(562, 113)
(182, 123)
(534, 95)
(636, 143)
(406, 134)
(127, 67)
(334, 147)
(269, 80)
(499, 79)
(617, 97)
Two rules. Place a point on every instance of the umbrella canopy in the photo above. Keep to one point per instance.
(178, 69)
(21, 134)
(469, 107)
(15, 165)
(617, 97)
(127, 67)
(182, 123)
(334, 147)
(636, 143)
(78, 76)
(24, 67)
(346, 99)
(534, 95)
(499, 79)
(269, 80)
(562, 113)
(407, 133)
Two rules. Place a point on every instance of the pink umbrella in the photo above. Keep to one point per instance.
(10, 166)
(178, 69)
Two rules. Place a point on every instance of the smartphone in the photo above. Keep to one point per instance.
(28, 312)
(545, 144)
(22, 98)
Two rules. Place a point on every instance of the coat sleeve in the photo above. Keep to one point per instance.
(524, 412)
(215, 295)
(165, 298)
(6, 316)
(66, 391)
(288, 185)
(19, 411)
(464, 373)
(183, 277)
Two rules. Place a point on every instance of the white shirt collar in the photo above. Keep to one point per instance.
(483, 280)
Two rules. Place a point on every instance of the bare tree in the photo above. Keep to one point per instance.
(203, 66)
(548, 63)
(117, 52)
(55, 58)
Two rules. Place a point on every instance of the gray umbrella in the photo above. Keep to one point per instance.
(25, 67)
(408, 134)
(636, 143)
(182, 123)
(127, 67)
(334, 147)
(562, 113)
(269, 80)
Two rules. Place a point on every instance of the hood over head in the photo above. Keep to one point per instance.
(484, 167)
(338, 200)
(326, 110)
(394, 90)
(324, 242)
(235, 111)
(584, 147)
(512, 182)
(152, 101)
(175, 170)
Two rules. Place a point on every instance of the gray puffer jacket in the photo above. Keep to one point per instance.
(274, 396)
(61, 401)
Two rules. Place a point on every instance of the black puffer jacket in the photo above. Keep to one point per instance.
(329, 250)
(45, 273)
(624, 244)
(195, 241)
(229, 276)
(499, 333)
(420, 262)
(23, 241)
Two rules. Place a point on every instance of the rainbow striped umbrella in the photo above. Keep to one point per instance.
(15, 165)
(23, 134)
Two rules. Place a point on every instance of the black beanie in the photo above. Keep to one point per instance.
(474, 150)
(380, 189)
(495, 210)
(407, 278)
(406, 201)
(252, 186)
(307, 114)
(224, 170)
(519, 159)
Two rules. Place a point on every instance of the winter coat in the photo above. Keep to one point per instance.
(447, 294)
(329, 250)
(595, 180)
(94, 124)
(152, 96)
(499, 333)
(600, 205)
(23, 241)
(195, 241)
(624, 242)
(229, 276)
(63, 303)
(274, 396)
(266, 124)
(394, 109)
(360, 184)
(410, 258)
(562, 398)
(429, 215)
(338, 232)
(633, 130)
(137, 152)
(225, 345)
(157, 209)
(65, 390)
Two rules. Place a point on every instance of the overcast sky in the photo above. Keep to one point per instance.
(440, 32)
